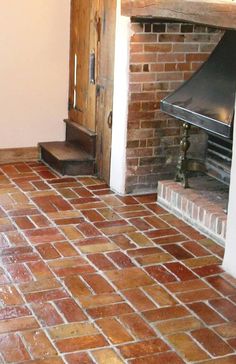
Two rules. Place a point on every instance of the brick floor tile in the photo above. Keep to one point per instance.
(140, 224)
(198, 295)
(183, 273)
(225, 308)
(99, 300)
(161, 232)
(79, 358)
(98, 284)
(40, 285)
(195, 248)
(40, 270)
(40, 221)
(221, 285)
(46, 314)
(47, 251)
(101, 261)
(156, 222)
(178, 325)
(97, 248)
(129, 278)
(169, 357)
(81, 343)
(211, 342)
(161, 274)
(10, 296)
(140, 239)
(122, 241)
(160, 295)
(76, 286)
(69, 221)
(121, 259)
(154, 259)
(18, 324)
(70, 310)
(227, 360)
(108, 214)
(110, 310)
(13, 349)
(71, 232)
(202, 261)
(72, 330)
(232, 343)
(113, 329)
(143, 348)
(147, 198)
(10, 312)
(177, 251)
(93, 215)
(166, 313)
(44, 235)
(226, 330)
(65, 249)
(105, 356)
(24, 223)
(138, 299)
(186, 286)
(88, 229)
(170, 239)
(38, 344)
(45, 296)
(137, 326)
(19, 273)
(187, 347)
(206, 313)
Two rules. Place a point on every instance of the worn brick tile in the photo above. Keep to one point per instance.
(70, 310)
(160, 295)
(198, 295)
(169, 357)
(101, 261)
(10, 312)
(122, 241)
(140, 224)
(195, 248)
(93, 215)
(156, 222)
(225, 308)
(202, 261)
(187, 347)
(72, 330)
(46, 235)
(110, 310)
(46, 295)
(39, 285)
(71, 232)
(18, 324)
(170, 239)
(143, 348)
(10, 296)
(98, 284)
(40, 221)
(19, 273)
(79, 358)
(137, 326)
(121, 259)
(65, 249)
(139, 300)
(13, 349)
(232, 343)
(166, 313)
(227, 360)
(153, 234)
(88, 229)
(114, 330)
(161, 274)
(99, 300)
(40, 270)
(129, 278)
(205, 313)
(178, 325)
(76, 286)
(24, 223)
(46, 314)
(183, 273)
(211, 342)
(140, 239)
(177, 251)
(81, 343)
(185, 286)
(226, 330)
(221, 285)
(47, 251)
(154, 259)
(38, 344)
(69, 221)
(105, 356)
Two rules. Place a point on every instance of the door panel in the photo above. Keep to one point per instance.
(83, 56)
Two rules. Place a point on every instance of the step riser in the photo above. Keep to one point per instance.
(85, 139)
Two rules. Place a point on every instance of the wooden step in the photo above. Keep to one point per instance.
(67, 158)
(85, 138)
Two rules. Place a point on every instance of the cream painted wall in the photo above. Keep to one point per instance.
(34, 50)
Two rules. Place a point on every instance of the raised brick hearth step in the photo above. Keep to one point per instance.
(203, 205)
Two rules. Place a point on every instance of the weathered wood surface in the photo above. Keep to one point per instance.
(220, 13)
(9, 155)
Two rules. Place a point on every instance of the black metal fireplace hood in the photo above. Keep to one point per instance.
(207, 99)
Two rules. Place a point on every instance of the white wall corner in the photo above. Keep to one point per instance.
(120, 102)
(230, 246)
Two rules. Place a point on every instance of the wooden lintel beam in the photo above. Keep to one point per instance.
(217, 13)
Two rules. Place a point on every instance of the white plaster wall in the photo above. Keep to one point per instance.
(229, 263)
(34, 51)
(120, 102)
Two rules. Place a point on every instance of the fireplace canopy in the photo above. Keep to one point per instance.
(207, 99)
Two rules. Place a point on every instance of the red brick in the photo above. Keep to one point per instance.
(13, 349)
(70, 310)
(183, 273)
(81, 358)
(212, 342)
(81, 343)
(121, 259)
(46, 314)
(205, 313)
(101, 261)
(161, 274)
(143, 348)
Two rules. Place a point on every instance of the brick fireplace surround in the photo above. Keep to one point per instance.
(163, 54)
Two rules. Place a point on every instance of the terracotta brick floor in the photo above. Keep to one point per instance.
(90, 277)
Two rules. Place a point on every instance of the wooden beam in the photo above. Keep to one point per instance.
(217, 13)
(11, 155)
